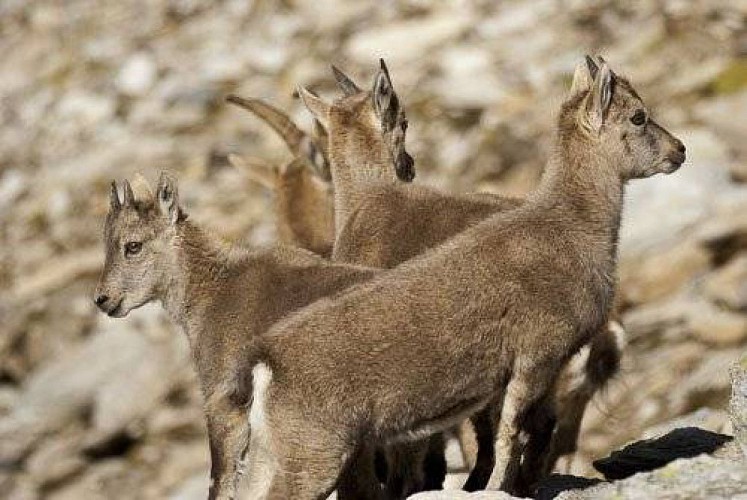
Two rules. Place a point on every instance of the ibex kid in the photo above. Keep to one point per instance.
(302, 207)
(392, 223)
(221, 296)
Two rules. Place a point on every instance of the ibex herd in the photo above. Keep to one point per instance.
(391, 313)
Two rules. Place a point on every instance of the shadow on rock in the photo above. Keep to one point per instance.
(650, 454)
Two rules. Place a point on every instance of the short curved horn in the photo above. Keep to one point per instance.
(346, 84)
(279, 121)
(114, 203)
(129, 196)
(141, 188)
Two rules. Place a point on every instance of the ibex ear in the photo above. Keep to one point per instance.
(315, 151)
(581, 79)
(129, 196)
(600, 97)
(592, 65)
(346, 84)
(141, 189)
(114, 203)
(316, 105)
(385, 101)
(168, 198)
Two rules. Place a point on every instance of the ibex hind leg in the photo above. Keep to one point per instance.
(484, 423)
(434, 463)
(405, 466)
(602, 364)
(359, 480)
(524, 389)
(311, 466)
(539, 425)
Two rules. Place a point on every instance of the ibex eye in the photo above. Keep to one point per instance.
(133, 248)
(404, 125)
(639, 118)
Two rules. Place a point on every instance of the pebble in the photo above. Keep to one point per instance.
(137, 75)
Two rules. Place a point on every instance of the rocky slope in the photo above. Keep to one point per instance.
(92, 407)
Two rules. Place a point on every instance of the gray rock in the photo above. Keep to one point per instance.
(407, 41)
(687, 316)
(462, 495)
(718, 114)
(57, 460)
(103, 375)
(658, 274)
(84, 109)
(728, 285)
(706, 383)
(12, 184)
(703, 418)
(702, 477)
(738, 402)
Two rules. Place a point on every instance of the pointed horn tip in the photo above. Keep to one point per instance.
(232, 98)
(302, 91)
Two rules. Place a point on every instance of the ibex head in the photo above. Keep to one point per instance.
(606, 109)
(372, 122)
(138, 233)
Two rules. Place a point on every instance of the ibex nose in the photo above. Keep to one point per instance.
(100, 300)
(681, 147)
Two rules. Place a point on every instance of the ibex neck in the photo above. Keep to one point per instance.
(584, 185)
(199, 262)
(585, 190)
(350, 179)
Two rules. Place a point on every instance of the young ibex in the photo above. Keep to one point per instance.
(409, 219)
(484, 323)
(301, 205)
(221, 296)
(301, 188)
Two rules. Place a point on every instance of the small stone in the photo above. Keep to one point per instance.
(659, 274)
(738, 402)
(728, 285)
(718, 327)
(56, 460)
(718, 114)
(137, 75)
(12, 184)
(85, 109)
(738, 172)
